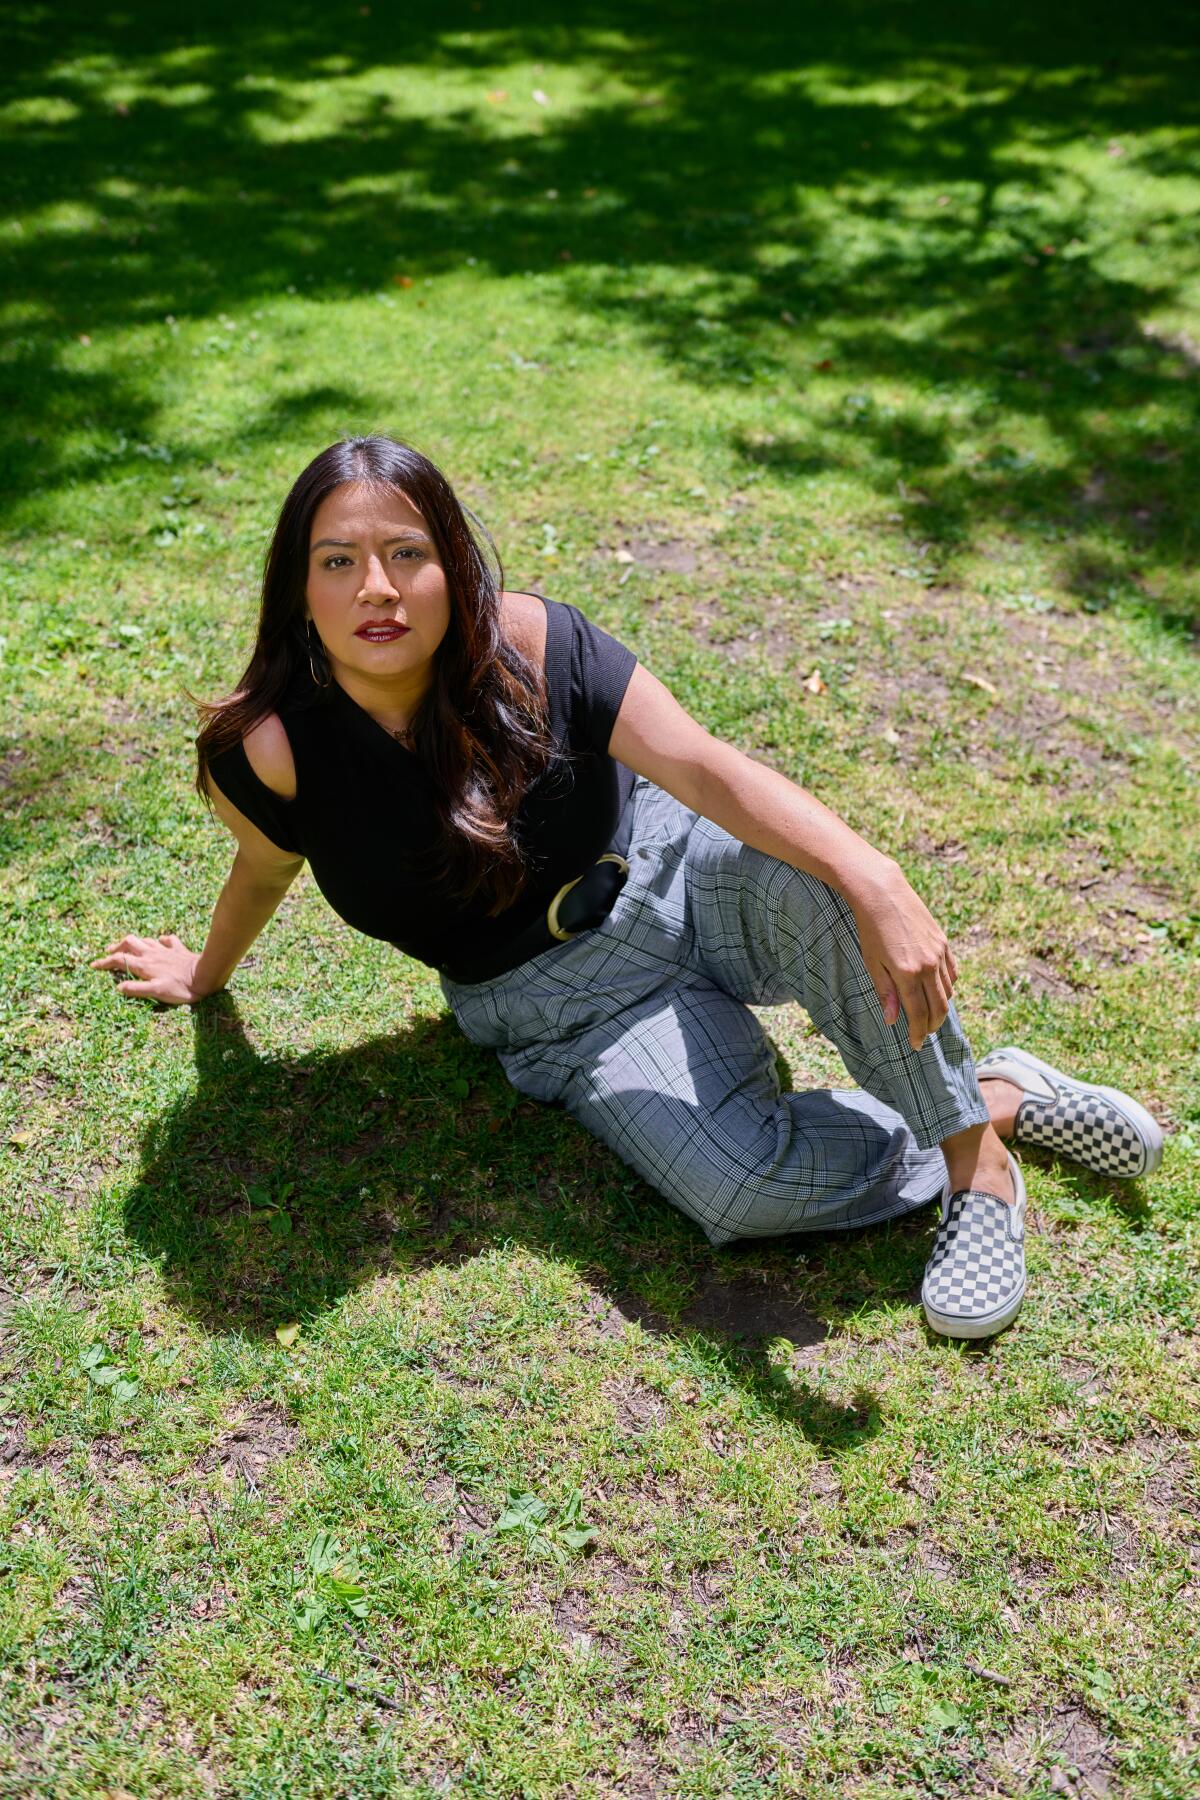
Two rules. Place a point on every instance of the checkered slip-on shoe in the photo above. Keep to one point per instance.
(1099, 1127)
(975, 1279)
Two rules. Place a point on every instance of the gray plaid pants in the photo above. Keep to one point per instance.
(641, 1030)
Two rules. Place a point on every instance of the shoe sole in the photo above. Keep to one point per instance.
(1142, 1121)
(948, 1326)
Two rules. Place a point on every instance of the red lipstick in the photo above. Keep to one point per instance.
(382, 631)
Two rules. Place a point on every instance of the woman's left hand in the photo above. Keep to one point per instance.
(907, 954)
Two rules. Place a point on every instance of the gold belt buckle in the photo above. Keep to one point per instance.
(556, 929)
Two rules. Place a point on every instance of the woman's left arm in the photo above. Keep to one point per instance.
(906, 952)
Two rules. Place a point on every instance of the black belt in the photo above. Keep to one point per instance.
(579, 905)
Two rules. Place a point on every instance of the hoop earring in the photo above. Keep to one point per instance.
(313, 640)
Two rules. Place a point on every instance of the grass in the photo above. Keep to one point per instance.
(871, 334)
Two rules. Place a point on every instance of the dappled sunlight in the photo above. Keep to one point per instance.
(925, 217)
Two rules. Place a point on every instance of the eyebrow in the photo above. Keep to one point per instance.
(402, 537)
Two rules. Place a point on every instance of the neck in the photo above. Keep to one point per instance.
(394, 699)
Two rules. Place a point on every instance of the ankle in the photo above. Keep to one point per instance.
(978, 1159)
(1003, 1100)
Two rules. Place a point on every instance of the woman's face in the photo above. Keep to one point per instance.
(376, 589)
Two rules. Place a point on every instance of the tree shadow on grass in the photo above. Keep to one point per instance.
(279, 1187)
(903, 192)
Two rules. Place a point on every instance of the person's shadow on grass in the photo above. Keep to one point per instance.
(280, 1185)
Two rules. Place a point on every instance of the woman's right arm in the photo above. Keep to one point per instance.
(163, 968)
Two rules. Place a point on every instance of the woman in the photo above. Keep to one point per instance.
(499, 788)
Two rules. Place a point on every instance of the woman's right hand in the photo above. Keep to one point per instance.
(160, 968)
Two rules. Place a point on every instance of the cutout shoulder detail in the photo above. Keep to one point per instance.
(526, 623)
(269, 754)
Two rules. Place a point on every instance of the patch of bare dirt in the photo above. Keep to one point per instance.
(1082, 1376)
(607, 1319)
(747, 1307)
(637, 1406)
(1042, 671)
(922, 1481)
(261, 1437)
(824, 1482)
(1068, 1743)
(936, 1561)
(212, 1605)
(570, 1613)
(674, 555)
(707, 1588)
(464, 1517)
(17, 1455)
(108, 1454)
(1170, 1484)
(1042, 979)
(845, 1686)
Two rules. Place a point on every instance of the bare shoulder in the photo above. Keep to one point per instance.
(524, 619)
(270, 756)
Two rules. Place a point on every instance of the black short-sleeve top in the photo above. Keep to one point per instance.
(364, 817)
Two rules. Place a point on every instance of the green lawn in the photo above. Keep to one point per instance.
(871, 335)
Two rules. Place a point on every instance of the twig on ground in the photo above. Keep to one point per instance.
(212, 1536)
(357, 1688)
(991, 1675)
(379, 1661)
(471, 1513)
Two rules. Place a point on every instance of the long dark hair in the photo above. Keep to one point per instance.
(481, 731)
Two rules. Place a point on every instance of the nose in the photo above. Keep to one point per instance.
(376, 585)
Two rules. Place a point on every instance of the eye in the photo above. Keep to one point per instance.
(410, 550)
(332, 562)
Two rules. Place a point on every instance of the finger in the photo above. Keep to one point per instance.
(171, 941)
(916, 1011)
(952, 963)
(135, 987)
(129, 942)
(109, 962)
(937, 1002)
(885, 993)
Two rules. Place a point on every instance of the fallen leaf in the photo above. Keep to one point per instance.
(20, 1137)
(497, 96)
(891, 736)
(787, 318)
(826, 362)
(84, 338)
(1115, 149)
(287, 1335)
(564, 256)
(981, 682)
(541, 98)
(623, 556)
(590, 193)
(405, 281)
(815, 684)
(943, 199)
